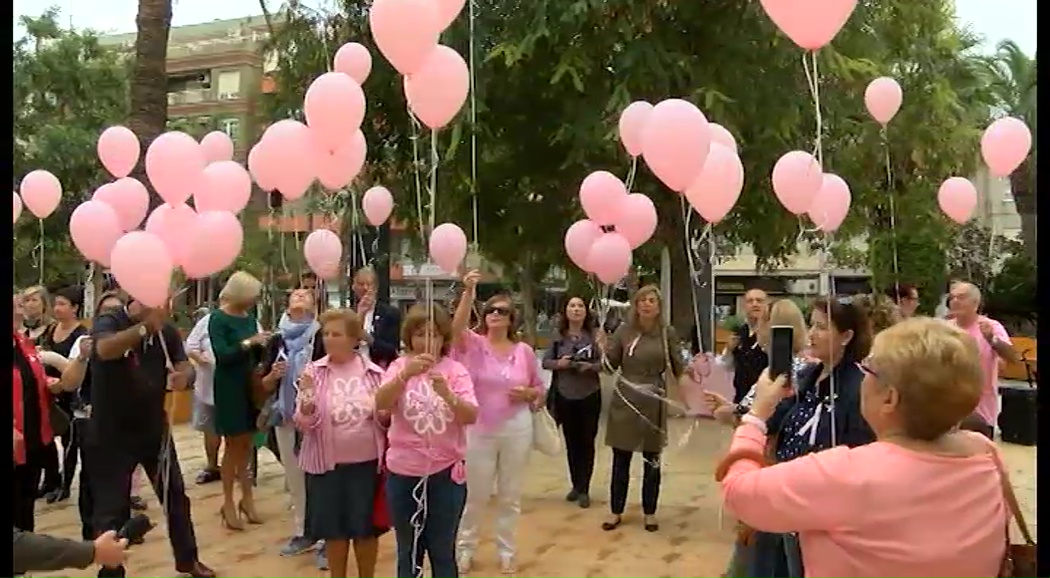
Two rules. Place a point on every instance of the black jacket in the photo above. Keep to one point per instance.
(39, 553)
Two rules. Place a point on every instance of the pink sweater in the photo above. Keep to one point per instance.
(875, 510)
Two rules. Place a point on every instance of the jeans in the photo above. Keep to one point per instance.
(579, 424)
(496, 458)
(437, 524)
(740, 563)
(620, 481)
(293, 475)
(776, 556)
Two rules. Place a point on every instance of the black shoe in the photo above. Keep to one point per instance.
(584, 501)
(572, 496)
(196, 570)
(208, 476)
(610, 526)
(138, 504)
(651, 525)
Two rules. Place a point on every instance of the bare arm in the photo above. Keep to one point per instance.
(111, 343)
(390, 392)
(461, 319)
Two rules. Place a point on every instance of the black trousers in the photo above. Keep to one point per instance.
(579, 425)
(111, 471)
(26, 482)
(621, 481)
(52, 474)
(85, 497)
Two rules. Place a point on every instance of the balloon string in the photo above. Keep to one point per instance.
(813, 79)
(473, 130)
(891, 193)
(631, 174)
(694, 273)
(40, 267)
(417, 166)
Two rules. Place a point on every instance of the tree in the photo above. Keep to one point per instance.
(1013, 78)
(66, 90)
(149, 79)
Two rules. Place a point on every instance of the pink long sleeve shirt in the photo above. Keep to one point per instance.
(875, 510)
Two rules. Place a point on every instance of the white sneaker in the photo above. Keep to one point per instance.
(507, 565)
(464, 561)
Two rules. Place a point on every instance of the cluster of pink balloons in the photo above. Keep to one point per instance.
(436, 78)
(804, 188)
(40, 192)
(323, 249)
(201, 242)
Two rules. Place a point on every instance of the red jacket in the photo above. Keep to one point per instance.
(46, 435)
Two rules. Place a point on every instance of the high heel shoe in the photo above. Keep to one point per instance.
(252, 517)
(231, 521)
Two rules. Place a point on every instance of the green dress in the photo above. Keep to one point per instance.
(234, 411)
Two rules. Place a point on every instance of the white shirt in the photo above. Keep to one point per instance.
(368, 322)
(198, 342)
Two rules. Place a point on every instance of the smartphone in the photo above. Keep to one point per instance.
(781, 354)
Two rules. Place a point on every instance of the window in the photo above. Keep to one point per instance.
(232, 128)
(229, 85)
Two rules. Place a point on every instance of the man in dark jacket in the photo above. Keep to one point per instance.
(39, 553)
(382, 322)
(748, 359)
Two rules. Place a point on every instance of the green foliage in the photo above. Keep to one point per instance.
(66, 89)
(1013, 290)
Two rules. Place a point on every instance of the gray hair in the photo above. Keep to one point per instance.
(241, 286)
(972, 291)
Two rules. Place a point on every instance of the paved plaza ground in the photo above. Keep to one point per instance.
(556, 538)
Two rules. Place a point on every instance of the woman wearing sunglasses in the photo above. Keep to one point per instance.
(506, 380)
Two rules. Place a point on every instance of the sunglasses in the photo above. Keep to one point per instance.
(865, 366)
(501, 311)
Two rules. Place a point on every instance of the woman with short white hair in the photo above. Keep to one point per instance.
(235, 340)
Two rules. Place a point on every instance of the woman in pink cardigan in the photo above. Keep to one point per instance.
(923, 500)
(342, 446)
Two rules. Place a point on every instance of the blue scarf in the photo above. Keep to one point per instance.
(297, 337)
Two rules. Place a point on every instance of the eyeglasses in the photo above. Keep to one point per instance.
(501, 311)
(865, 366)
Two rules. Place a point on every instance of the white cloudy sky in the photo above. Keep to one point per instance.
(995, 20)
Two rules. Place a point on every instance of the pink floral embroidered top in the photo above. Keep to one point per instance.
(877, 509)
(424, 436)
(343, 427)
(494, 374)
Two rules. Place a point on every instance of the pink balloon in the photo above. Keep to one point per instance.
(335, 108)
(632, 124)
(830, 204)
(173, 225)
(448, 11)
(715, 192)
(41, 193)
(958, 199)
(225, 186)
(377, 205)
(217, 146)
(142, 266)
(292, 147)
(797, 177)
(437, 90)
(610, 258)
(635, 219)
(809, 23)
(324, 253)
(335, 170)
(262, 167)
(405, 31)
(600, 195)
(1005, 145)
(353, 60)
(883, 97)
(675, 142)
(448, 247)
(579, 239)
(217, 238)
(119, 150)
(128, 198)
(17, 207)
(95, 227)
(722, 136)
(174, 163)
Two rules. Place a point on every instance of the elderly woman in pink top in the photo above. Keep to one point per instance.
(506, 380)
(342, 445)
(923, 500)
(431, 400)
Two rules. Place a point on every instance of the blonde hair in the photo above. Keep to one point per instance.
(45, 300)
(785, 312)
(935, 368)
(349, 318)
(633, 320)
(882, 312)
(241, 288)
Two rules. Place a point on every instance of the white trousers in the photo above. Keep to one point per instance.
(497, 457)
(293, 475)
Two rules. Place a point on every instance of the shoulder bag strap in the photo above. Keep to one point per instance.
(1011, 502)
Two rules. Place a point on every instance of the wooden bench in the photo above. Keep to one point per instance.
(1026, 368)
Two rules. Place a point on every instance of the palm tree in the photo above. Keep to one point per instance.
(1013, 85)
(149, 81)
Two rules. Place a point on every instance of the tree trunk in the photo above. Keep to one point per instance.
(1022, 186)
(149, 80)
(686, 291)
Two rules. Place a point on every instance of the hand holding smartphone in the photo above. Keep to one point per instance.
(781, 351)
